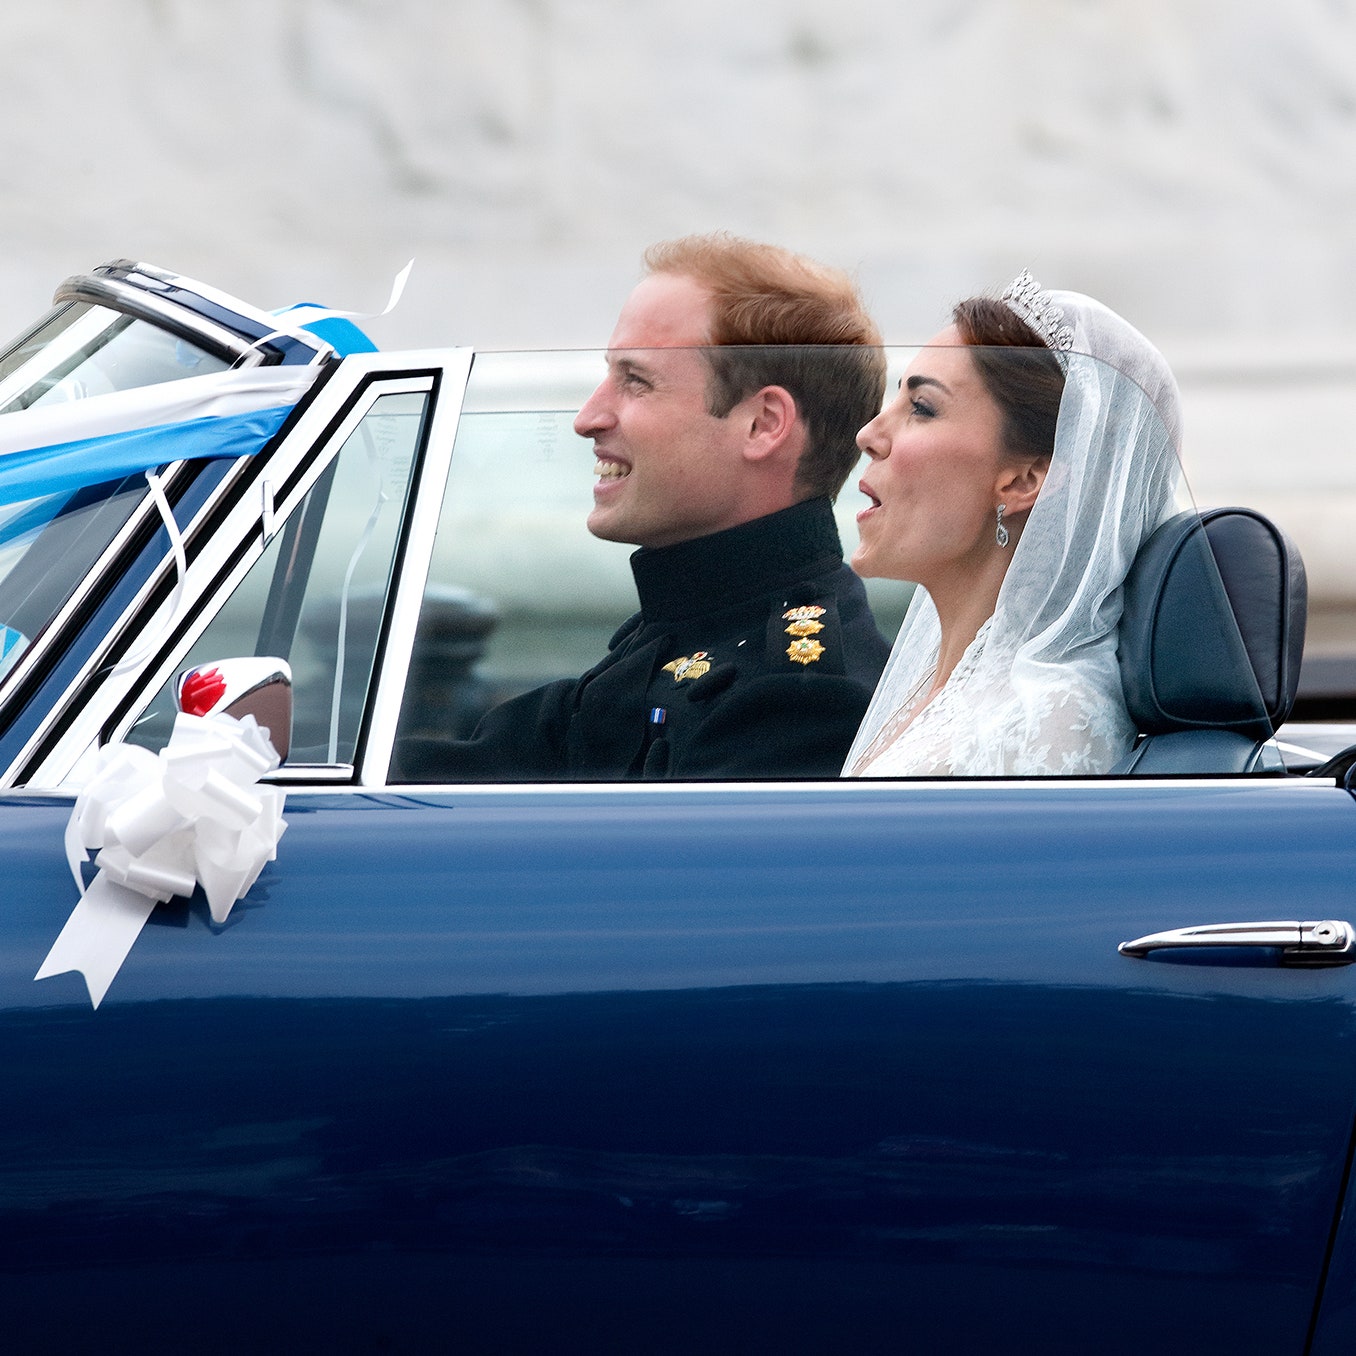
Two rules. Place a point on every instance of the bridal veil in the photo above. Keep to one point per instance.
(1039, 691)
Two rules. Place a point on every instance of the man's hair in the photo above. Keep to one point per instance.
(768, 307)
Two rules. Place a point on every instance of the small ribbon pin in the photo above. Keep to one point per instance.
(162, 825)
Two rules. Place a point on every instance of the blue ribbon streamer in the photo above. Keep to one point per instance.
(64, 467)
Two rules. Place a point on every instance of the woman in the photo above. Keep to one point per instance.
(1030, 452)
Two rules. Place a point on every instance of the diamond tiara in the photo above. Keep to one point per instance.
(1028, 303)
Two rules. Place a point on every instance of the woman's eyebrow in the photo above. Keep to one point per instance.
(915, 382)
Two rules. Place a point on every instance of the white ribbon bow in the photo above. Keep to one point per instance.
(163, 824)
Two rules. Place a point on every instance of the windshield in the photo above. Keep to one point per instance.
(47, 546)
(79, 350)
(49, 543)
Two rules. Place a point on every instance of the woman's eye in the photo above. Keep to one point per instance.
(922, 408)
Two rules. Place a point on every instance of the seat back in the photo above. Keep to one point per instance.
(1210, 642)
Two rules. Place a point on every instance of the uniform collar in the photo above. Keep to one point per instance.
(709, 573)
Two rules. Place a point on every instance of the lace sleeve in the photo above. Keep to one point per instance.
(1067, 732)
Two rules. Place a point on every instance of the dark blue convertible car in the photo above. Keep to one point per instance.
(766, 1066)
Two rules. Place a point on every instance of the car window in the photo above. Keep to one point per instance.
(317, 595)
(81, 350)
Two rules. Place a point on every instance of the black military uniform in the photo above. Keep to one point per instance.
(753, 654)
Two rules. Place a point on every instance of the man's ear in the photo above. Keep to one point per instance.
(1020, 483)
(770, 423)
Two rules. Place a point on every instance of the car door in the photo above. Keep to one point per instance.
(849, 1065)
(814, 1060)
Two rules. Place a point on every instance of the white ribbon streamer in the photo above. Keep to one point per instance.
(162, 825)
(212, 395)
(314, 313)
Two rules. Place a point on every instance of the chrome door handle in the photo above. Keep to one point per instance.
(1330, 942)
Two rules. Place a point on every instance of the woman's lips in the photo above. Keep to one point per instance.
(872, 506)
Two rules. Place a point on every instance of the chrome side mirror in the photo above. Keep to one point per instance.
(260, 687)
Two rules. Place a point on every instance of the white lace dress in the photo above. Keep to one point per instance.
(969, 730)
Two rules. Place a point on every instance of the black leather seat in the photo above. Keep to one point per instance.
(1210, 643)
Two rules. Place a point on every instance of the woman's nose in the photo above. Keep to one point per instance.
(871, 438)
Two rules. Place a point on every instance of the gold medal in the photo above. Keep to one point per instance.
(804, 650)
(689, 667)
(804, 628)
(802, 614)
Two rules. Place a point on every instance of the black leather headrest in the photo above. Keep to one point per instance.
(1213, 628)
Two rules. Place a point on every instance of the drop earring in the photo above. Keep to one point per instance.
(1001, 535)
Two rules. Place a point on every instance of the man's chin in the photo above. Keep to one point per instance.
(606, 527)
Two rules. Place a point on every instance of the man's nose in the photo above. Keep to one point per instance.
(595, 415)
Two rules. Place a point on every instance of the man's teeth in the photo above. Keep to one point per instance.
(610, 470)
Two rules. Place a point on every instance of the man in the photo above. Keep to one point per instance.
(754, 652)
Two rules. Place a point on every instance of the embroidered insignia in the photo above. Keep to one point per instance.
(689, 666)
(804, 650)
(807, 613)
(804, 628)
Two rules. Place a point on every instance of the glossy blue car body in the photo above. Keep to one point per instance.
(802, 1067)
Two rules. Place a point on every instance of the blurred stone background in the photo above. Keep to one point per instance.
(1190, 162)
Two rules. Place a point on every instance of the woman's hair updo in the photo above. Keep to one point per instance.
(1019, 372)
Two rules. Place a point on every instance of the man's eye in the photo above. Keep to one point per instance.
(634, 382)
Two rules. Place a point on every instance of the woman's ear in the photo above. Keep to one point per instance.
(1021, 482)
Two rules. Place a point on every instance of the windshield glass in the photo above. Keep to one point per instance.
(80, 350)
(47, 546)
